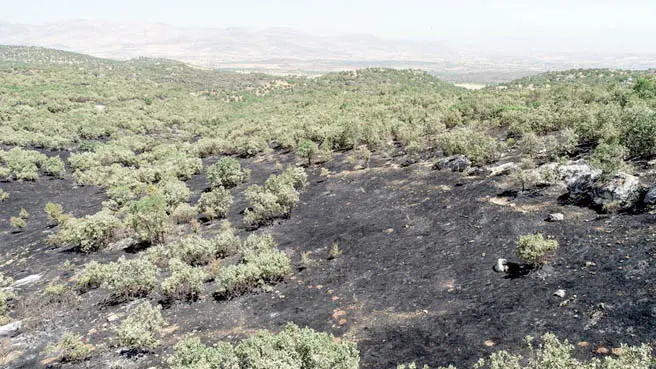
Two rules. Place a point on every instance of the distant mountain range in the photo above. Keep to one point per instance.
(288, 50)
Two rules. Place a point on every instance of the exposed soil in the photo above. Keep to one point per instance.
(414, 281)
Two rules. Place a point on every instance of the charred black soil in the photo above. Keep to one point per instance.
(414, 281)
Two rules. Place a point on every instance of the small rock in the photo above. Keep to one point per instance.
(583, 344)
(10, 357)
(27, 280)
(503, 169)
(556, 217)
(408, 162)
(475, 171)
(617, 351)
(559, 293)
(489, 343)
(11, 328)
(112, 317)
(602, 350)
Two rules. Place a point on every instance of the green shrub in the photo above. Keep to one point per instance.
(24, 214)
(264, 206)
(3, 195)
(276, 199)
(292, 348)
(71, 348)
(256, 243)
(122, 194)
(261, 264)
(132, 278)
(307, 150)
(174, 191)
(58, 293)
(552, 353)
(18, 223)
(5, 174)
(148, 218)
(185, 282)
(535, 249)
(227, 173)
(296, 347)
(5, 295)
(530, 144)
(334, 251)
(53, 166)
(88, 234)
(55, 213)
(158, 255)
(226, 243)
(609, 158)
(141, 329)
(479, 147)
(639, 134)
(184, 213)
(193, 250)
(93, 275)
(216, 203)
(24, 163)
(191, 353)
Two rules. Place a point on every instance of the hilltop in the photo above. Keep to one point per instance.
(286, 50)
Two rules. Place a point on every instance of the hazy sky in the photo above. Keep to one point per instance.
(554, 25)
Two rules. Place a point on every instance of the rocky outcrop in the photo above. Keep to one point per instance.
(621, 192)
(456, 163)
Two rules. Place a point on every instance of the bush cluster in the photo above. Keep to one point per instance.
(216, 203)
(141, 329)
(276, 198)
(185, 283)
(71, 348)
(88, 234)
(6, 295)
(131, 278)
(227, 173)
(292, 348)
(261, 264)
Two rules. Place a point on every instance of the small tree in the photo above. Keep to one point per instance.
(307, 149)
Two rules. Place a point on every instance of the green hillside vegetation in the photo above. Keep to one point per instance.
(140, 130)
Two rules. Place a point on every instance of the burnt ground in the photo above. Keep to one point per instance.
(414, 282)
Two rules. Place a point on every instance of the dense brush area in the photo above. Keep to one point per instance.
(139, 196)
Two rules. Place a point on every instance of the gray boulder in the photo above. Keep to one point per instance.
(27, 280)
(624, 190)
(573, 171)
(10, 329)
(650, 196)
(556, 217)
(455, 163)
